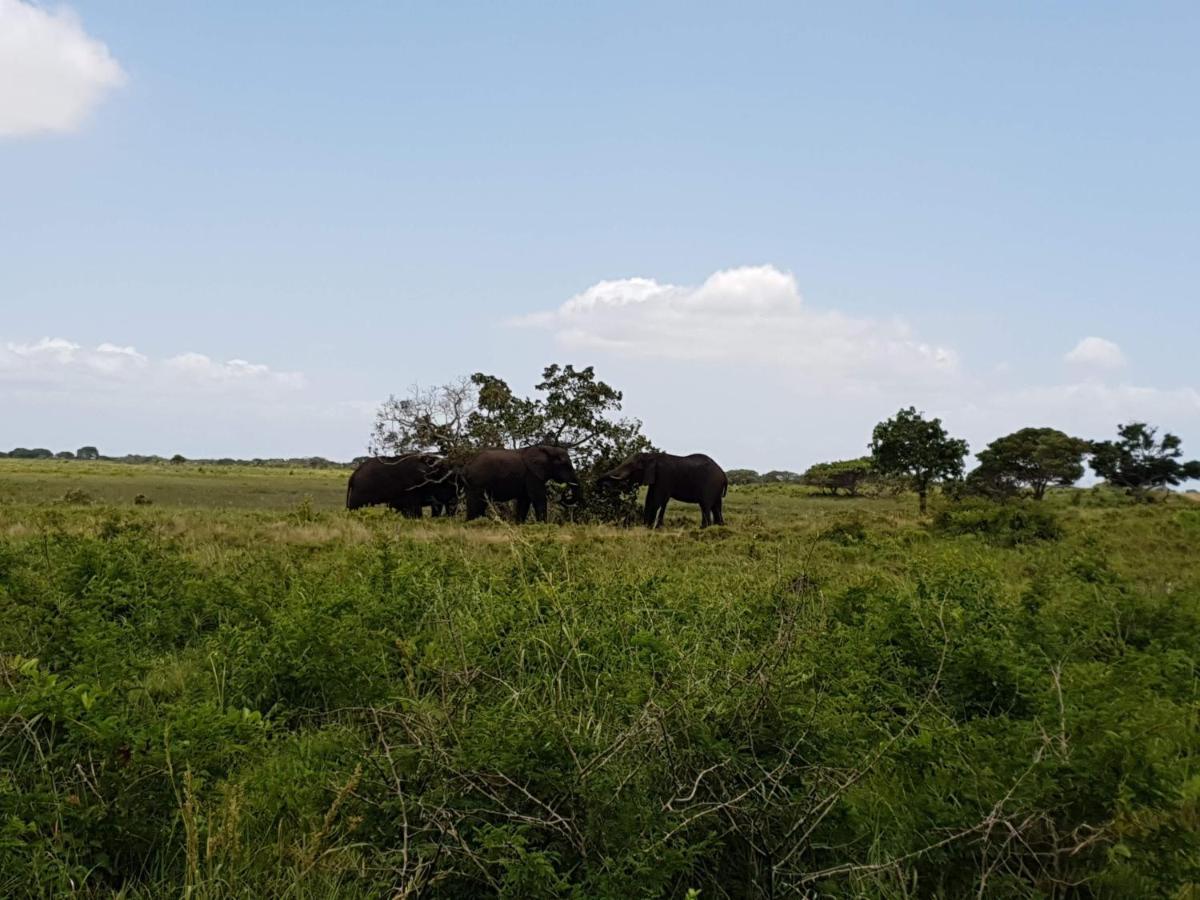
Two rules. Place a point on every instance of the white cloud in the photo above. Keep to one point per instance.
(52, 73)
(1096, 352)
(752, 315)
(58, 363)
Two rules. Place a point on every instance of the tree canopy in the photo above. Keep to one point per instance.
(1138, 462)
(572, 408)
(1032, 458)
(743, 476)
(917, 449)
(841, 475)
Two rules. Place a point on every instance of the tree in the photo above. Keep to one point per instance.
(743, 476)
(64, 454)
(1137, 462)
(1034, 458)
(26, 453)
(87, 452)
(917, 449)
(843, 475)
(575, 410)
(427, 420)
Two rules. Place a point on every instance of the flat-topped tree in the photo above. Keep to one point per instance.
(917, 449)
(1032, 457)
(1138, 462)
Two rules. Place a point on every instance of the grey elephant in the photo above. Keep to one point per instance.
(406, 483)
(521, 475)
(689, 479)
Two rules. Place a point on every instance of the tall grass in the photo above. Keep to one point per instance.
(828, 697)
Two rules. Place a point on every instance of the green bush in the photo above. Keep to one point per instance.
(305, 703)
(1006, 525)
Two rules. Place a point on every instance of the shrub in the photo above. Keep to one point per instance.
(1003, 525)
(844, 475)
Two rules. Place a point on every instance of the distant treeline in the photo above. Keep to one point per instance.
(91, 453)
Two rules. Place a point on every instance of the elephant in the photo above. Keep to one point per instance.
(405, 483)
(520, 475)
(690, 479)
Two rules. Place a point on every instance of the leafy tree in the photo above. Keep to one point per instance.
(26, 453)
(87, 452)
(743, 476)
(64, 454)
(917, 449)
(1138, 462)
(178, 458)
(574, 410)
(1034, 458)
(843, 475)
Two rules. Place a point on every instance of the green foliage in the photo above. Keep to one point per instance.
(829, 700)
(26, 453)
(1032, 458)
(1005, 526)
(918, 449)
(1138, 462)
(574, 410)
(847, 475)
(742, 476)
(87, 452)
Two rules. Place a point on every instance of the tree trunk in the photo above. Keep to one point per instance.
(921, 494)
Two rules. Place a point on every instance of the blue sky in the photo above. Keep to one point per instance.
(932, 206)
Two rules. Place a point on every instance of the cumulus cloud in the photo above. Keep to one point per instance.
(63, 364)
(52, 73)
(1096, 352)
(753, 315)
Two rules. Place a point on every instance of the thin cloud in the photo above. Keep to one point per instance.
(752, 315)
(52, 72)
(58, 363)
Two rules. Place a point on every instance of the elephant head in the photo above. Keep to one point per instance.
(554, 464)
(641, 468)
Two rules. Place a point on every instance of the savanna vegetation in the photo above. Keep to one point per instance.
(234, 687)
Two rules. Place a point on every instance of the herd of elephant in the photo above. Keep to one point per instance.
(414, 481)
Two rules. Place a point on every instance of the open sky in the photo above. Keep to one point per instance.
(233, 228)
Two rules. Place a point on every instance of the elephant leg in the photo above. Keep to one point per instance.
(476, 505)
(662, 512)
(435, 509)
(650, 509)
(537, 496)
(718, 512)
(522, 509)
(705, 516)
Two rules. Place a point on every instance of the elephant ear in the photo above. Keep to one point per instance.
(537, 463)
(650, 473)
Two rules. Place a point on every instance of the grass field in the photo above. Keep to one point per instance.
(240, 689)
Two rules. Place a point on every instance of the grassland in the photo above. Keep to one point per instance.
(240, 689)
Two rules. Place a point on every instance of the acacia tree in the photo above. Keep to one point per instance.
(1034, 458)
(841, 475)
(917, 449)
(1137, 462)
